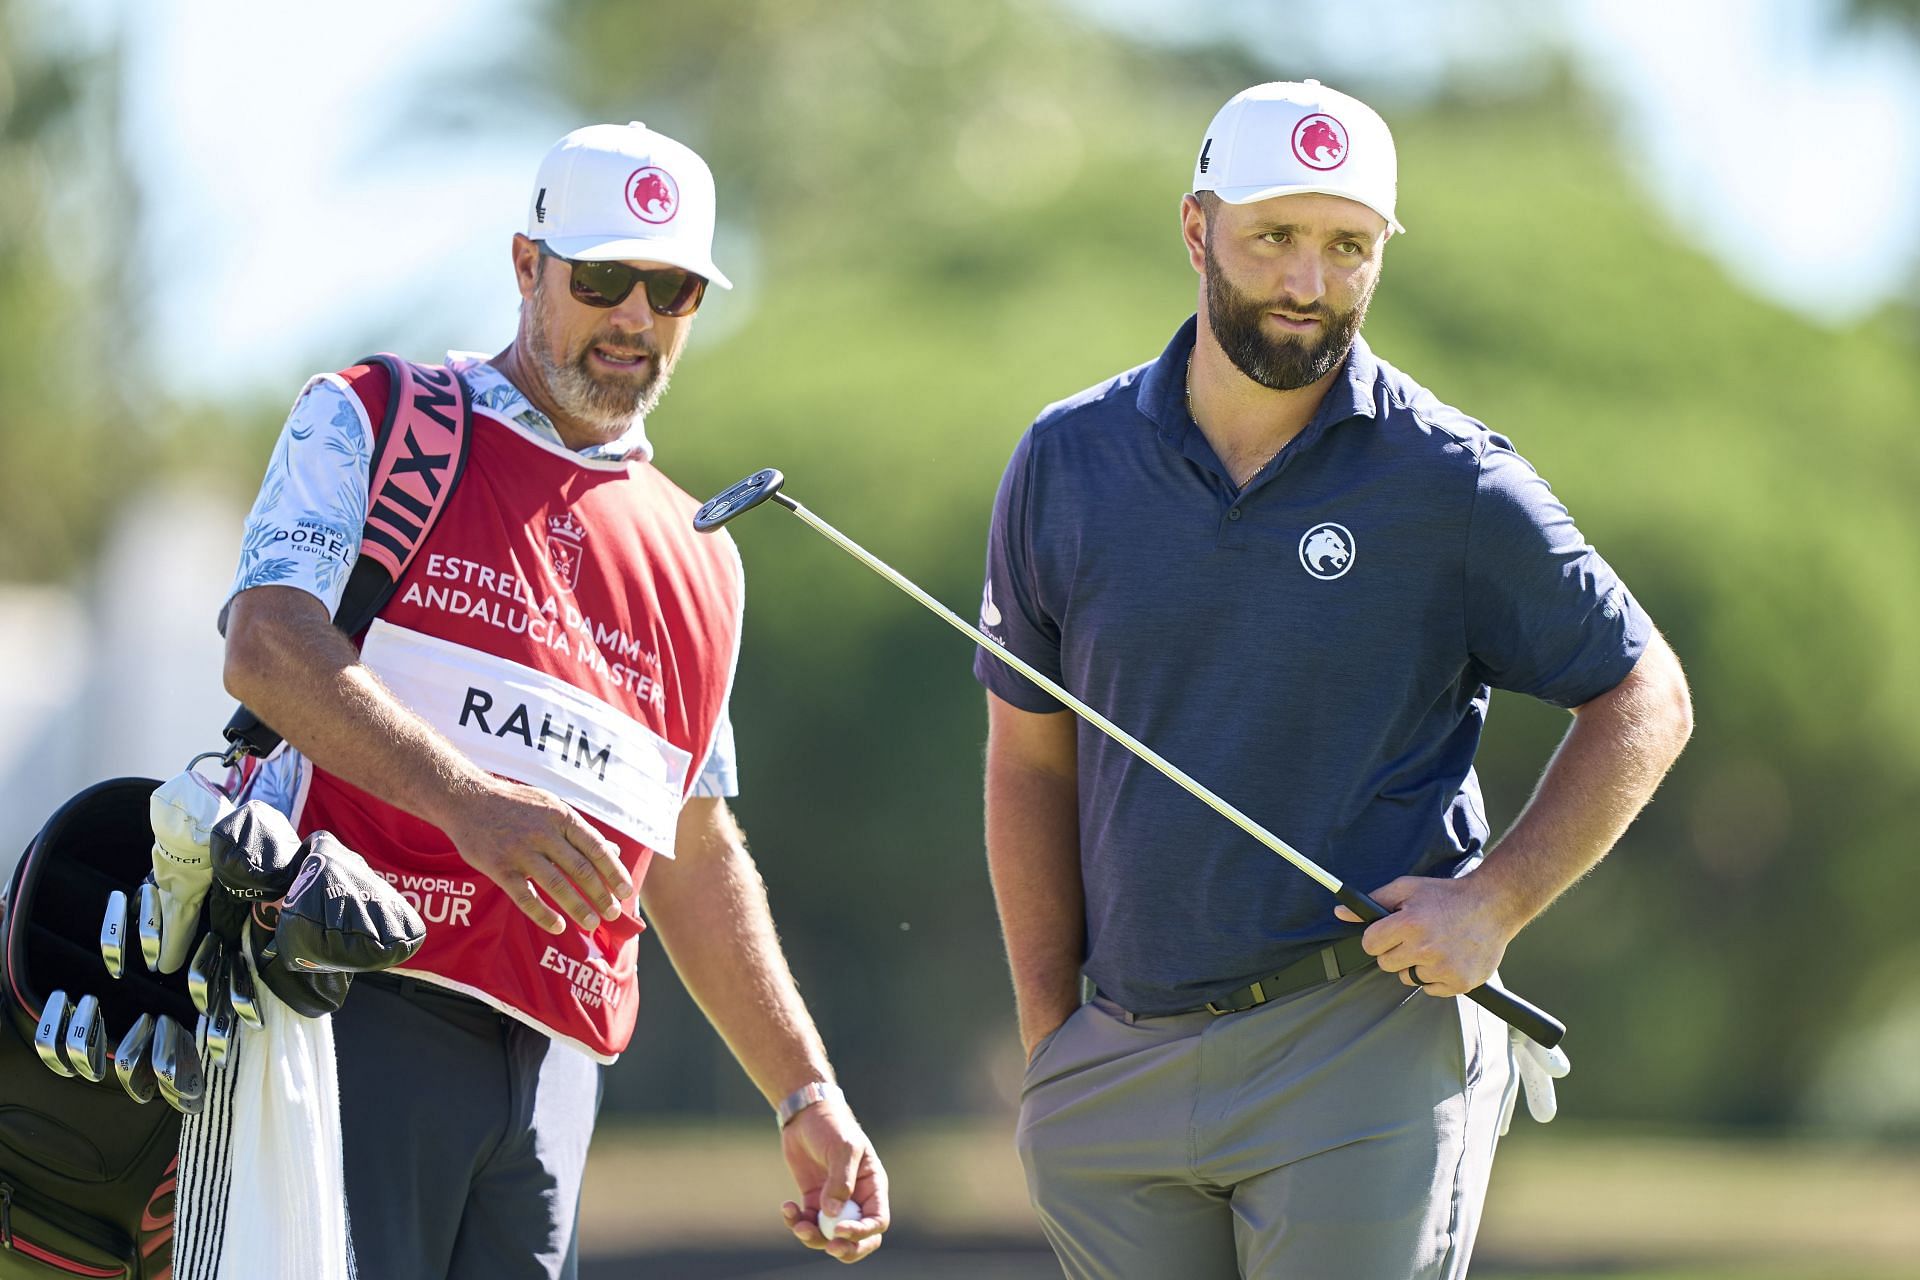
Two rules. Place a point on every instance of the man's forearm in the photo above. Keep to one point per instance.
(295, 671)
(1604, 772)
(1033, 857)
(709, 907)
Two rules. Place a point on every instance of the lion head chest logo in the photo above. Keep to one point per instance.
(653, 195)
(1320, 142)
(1326, 551)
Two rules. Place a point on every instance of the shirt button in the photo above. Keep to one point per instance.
(1233, 513)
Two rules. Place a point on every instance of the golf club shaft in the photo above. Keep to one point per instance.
(1532, 1021)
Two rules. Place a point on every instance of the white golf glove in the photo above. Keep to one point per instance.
(183, 811)
(1539, 1068)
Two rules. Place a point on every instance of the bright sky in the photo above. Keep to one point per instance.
(1796, 154)
(364, 183)
(293, 201)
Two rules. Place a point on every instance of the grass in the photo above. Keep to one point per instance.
(1566, 1201)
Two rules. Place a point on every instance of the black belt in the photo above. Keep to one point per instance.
(1343, 957)
(1329, 962)
(443, 1002)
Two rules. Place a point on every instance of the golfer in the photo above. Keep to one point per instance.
(1297, 574)
(533, 742)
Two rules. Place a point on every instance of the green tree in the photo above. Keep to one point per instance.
(68, 445)
(951, 217)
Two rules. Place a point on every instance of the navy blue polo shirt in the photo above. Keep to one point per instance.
(1316, 649)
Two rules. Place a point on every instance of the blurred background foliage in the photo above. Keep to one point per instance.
(950, 216)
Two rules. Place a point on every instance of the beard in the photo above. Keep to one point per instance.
(1278, 363)
(610, 401)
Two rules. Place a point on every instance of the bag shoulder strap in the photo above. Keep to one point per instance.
(419, 454)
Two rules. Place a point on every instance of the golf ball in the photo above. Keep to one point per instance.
(849, 1212)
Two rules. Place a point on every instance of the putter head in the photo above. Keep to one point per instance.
(741, 498)
(50, 1036)
(87, 1041)
(176, 1067)
(115, 931)
(133, 1060)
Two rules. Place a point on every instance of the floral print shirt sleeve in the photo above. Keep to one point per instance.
(304, 529)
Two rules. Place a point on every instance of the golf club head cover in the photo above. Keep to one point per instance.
(255, 853)
(340, 917)
(183, 811)
(311, 994)
(247, 927)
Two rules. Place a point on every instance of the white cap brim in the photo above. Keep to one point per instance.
(639, 249)
(1251, 195)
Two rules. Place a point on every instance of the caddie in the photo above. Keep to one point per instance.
(1297, 574)
(533, 742)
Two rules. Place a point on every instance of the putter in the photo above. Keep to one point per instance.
(148, 919)
(87, 1041)
(761, 486)
(207, 972)
(115, 929)
(243, 991)
(176, 1068)
(47, 1037)
(133, 1060)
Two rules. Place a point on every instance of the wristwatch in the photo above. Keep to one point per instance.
(805, 1096)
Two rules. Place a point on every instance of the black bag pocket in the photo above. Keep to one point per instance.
(39, 1239)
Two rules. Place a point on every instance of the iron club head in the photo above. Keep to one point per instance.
(176, 1067)
(243, 991)
(741, 498)
(207, 972)
(222, 1021)
(87, 1041)
(115, 929)
(133, 1060)
(50, 1035)
(147, 919)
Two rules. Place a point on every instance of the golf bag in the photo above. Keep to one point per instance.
(87, 1175)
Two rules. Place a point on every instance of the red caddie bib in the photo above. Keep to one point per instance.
(564, 626)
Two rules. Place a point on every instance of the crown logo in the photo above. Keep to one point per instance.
(565, 526)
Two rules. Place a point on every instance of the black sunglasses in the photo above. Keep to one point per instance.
(671, 291)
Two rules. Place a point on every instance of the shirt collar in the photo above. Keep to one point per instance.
(493, 392)
(1163, 388)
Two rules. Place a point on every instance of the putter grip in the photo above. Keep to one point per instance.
(1523, 1016)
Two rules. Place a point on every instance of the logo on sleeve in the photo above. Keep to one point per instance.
(1326, 551)
(989, 612)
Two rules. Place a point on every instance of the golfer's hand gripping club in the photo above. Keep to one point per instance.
(1522, 1015)
(1530, 1020)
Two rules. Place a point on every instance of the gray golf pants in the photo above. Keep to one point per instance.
(464, 1137)
(1345, 1132)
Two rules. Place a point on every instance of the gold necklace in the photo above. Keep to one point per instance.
(1242, 484)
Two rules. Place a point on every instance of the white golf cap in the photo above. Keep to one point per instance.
(1295, 137)
(621, 192)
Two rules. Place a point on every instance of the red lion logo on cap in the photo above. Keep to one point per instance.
(652, 194)
(1320, 142)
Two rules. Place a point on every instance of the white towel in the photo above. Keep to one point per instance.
(261, 1193)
